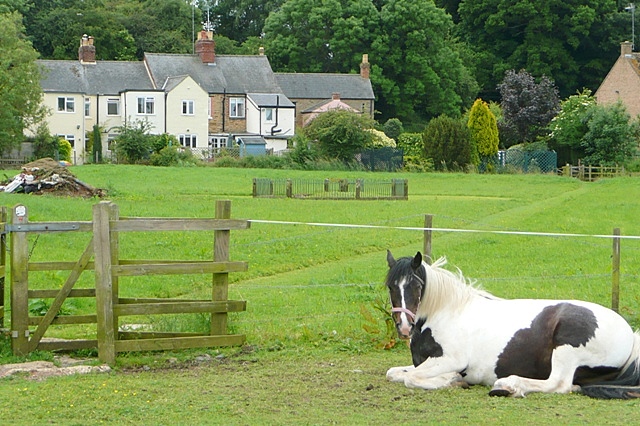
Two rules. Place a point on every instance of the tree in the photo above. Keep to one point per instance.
(134, 143)
(238, 19)
(20, 92)
(483, 130)
(527, 106)
(393, 128)
(340, 134)
(569, 127)
(571, 41)
(417, 68)
(320, 35)
(447, 142)
(610, 138)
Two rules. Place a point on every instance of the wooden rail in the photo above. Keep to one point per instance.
(101, 255)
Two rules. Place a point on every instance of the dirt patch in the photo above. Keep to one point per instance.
(62, 366)
(48, 176)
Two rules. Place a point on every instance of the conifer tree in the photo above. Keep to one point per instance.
(483, 129)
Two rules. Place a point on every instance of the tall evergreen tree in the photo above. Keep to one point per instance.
(483, 129)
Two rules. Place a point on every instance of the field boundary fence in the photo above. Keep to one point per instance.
(108, 266)
(591, 173)
(331, 189)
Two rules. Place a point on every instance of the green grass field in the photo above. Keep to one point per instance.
(314, 334)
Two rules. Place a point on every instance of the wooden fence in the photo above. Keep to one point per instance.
(108, 266)
(591, 173)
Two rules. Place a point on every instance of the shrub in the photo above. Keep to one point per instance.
(447, 143)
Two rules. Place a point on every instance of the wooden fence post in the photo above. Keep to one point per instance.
(104, 285)
(19, 264)
(428, 224)
(3, 262)
(289, 189)
(615, 260)
(220, 281)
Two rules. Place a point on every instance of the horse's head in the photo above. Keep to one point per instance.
(406, 282)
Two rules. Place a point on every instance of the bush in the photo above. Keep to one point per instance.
(447, 143)
(173, 156)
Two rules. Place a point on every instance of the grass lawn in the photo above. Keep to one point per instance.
(314, 331)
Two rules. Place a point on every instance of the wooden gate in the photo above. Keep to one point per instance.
(108, 267)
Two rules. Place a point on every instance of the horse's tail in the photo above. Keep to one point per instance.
(626, 385)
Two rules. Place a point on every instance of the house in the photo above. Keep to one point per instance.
(207, 101)
(309, 91)
(334, 103)
(622, 83)
(86, 92)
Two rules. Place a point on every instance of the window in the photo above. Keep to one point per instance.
(87, 107)
(187, 107)
(236, 107)
(268, 114)
(188, 141)
(69, 138)
(146, 105)
(217, 142)
(113, 106)
(66, 104)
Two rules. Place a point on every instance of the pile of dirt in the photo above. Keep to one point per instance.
(48, 176)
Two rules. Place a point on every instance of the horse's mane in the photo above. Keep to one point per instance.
(447, 289)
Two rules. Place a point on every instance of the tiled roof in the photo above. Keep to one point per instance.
(322, 86)
(103, 77)
(229, 73)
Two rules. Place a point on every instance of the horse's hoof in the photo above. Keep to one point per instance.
(499, 392)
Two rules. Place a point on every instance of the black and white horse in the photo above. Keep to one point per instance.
(461, 335)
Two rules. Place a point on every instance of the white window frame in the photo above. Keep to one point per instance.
(236, 107)
(188, 140)
(66, 104)
(87, 107)
(116, 103)
(69, 138)
(188, 107)
(268, 115)
(146, 105)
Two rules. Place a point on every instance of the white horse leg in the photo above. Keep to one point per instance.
(564, 362)
(398, 374)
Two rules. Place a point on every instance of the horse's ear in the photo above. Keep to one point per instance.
(417, 261)
(390, 260)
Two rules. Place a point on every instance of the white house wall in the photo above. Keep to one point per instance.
(185, 124)
(66, 123)
(156, 120)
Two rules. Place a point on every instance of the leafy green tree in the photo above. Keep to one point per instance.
(20, 92)
(393, 128)
(574, 42)
(610, 138)
(569, 127)
(483, 129)
(134, 143)
(45, 144)
(340, 134)
(527, 106)
(417, 67)
(320, 35)
(447, 142)
(238, 19)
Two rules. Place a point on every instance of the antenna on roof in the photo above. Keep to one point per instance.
(632, 8)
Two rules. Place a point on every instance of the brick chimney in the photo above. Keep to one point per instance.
(206, 47)
(365, 66)
(626, 48)
(335, 96)
(87, 51)
(261, 51)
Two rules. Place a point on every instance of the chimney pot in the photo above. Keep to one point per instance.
(87, 51)
(206, 47)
